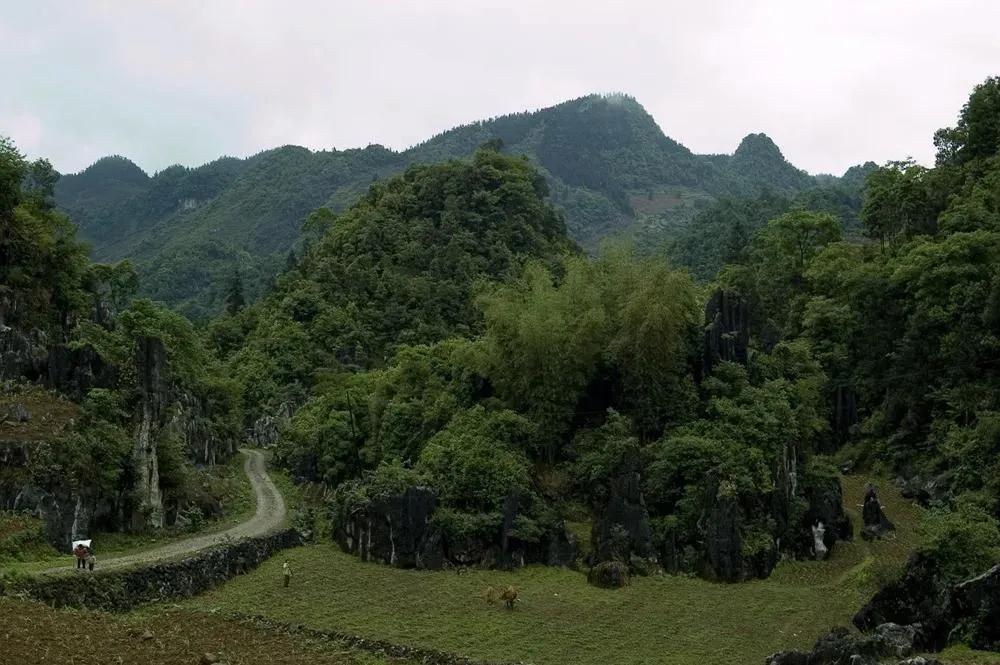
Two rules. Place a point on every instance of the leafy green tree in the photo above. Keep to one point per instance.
(235, 301)
(977, 134)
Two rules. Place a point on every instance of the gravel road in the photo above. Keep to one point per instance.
(270, 515)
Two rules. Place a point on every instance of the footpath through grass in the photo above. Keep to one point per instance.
(561, 619)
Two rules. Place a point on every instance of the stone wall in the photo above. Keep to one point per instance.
(379, 647)
(123, 590)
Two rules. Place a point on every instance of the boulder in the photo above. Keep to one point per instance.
(876, 524)
(841, 647)
(920, 598)
(609, 575)
(826, 505)
(896, 640)
(975, 603)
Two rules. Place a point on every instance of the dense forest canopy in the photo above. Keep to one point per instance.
(519, 367)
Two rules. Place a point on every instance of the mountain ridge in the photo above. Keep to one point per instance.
(610, 168)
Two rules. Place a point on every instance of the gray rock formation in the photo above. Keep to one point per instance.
(819, 547)
(725, 556)
(727, 330)
(22, 354)
(266, 430)
(622, 528)
(826, 504)
(844, 416)
(151, 366)
(841, 647)
(398, 530)
(75, 371)
(938, 612)
(975, 605)
(395, 530)
(876, 524)
(17, 413)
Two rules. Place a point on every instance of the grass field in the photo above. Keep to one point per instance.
(33, 634)
(562, 619)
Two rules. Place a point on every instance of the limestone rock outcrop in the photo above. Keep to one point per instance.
(622, 528)
(876, 524)
(727, 330)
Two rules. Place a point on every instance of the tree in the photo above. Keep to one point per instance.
(234, 294)
(977, 134)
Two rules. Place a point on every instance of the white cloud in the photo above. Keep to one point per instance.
(834, 83)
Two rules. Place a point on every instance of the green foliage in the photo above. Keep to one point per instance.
(977, 134)
(598, 455)
(398, 268)
(906, 327)
(42, 265)
(550, 345)
(964, 541)
(188, 229)
(478, 459)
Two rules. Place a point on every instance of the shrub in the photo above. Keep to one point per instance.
(964, 541)
(609, 575)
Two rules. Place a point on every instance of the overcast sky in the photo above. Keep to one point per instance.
(834, 83)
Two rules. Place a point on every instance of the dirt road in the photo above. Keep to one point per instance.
(270, 515)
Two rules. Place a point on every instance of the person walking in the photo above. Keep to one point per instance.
(286, 571)
(91, 559)
(80, 552)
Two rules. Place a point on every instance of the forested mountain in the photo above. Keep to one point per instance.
(610, 169)
(464, 386)
(135, 400)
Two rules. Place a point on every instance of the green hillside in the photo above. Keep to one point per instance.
(609, 166)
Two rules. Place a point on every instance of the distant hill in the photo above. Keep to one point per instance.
(610, 169)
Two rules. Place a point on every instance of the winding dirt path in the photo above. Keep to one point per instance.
(270, 515)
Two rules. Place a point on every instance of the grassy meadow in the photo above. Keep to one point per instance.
(561, 619)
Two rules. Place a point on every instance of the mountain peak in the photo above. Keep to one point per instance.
(115, 167)
(759, 146)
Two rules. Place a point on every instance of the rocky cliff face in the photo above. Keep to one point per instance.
(154, 398)
(622, 529)
(160, 409)
(67, 514)
(727, 330)
(939, 612)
